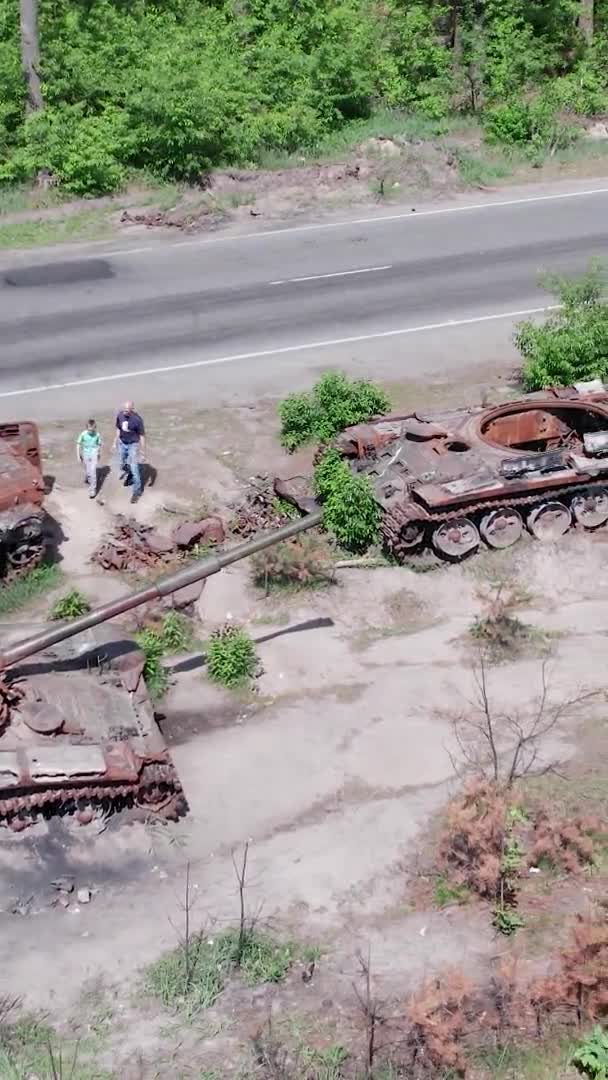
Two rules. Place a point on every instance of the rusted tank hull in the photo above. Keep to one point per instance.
(455, 480)
(78, 736)
(21, 499)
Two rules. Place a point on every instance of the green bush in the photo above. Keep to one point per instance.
(178, 88)
(350, 510)
(534, 125)
(176, 633)
(70, 606)
(151, 644)
(572, 345)
(231, 657)
(591, 1056)
(334, 403)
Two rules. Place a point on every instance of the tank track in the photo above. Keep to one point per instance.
(394, 520)
(158, 789)
(12, 573)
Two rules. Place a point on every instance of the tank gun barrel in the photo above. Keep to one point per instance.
(197, 571)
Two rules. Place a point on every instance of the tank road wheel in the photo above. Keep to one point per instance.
(456, 539)
(411, 536)
(549, 521)
(502, 527)
(590, 508)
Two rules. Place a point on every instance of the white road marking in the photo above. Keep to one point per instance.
(411, 215)
(338, 273)
(279, 352)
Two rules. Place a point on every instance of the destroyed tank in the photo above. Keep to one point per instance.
(78, 733)
(454, 479)
(21, 499)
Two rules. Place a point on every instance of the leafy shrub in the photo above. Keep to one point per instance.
(303, 562)
(572, 345)
(70, 606)
(81, 152)
(536, 125)
(151, 644)
(231, 657)
(350, 510)
(591, 1055)
(176, 632)
(506, 920)
(334, 403)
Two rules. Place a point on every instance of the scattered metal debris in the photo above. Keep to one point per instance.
(135, 547)
(259, 510)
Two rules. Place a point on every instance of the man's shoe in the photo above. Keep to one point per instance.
(134, 499)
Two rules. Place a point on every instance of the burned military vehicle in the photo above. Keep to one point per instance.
(455, 478)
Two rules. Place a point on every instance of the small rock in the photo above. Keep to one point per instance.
(64, 884)
(183, 598)
(73, 909)
(597, 130)
(83, 896)
(208, 531)
(63, 900)
(84, 817)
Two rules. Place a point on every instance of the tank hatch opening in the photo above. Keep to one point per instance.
(547, 429)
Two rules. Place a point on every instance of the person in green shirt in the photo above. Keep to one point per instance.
(88, 446)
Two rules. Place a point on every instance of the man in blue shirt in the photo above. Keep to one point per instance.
(130, 441)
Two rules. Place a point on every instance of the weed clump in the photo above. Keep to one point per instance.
(231, 657)
(350, 510)
(192, 976)
(70, 606)
(498, 632)
(174, 634)
(303, 562)
(334, 403)
(156, 678)
(19, 592)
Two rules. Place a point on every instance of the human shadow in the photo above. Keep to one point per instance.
(148, 474)
(102, 475)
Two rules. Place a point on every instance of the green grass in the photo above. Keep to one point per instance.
(385, 123)
(478, 170)
(87, 225)
(70, 605)
(29, 1047)
(444, 893)
(19, 592)
(174, 635)
(192, 978)
(535, 1062)
(22, 197)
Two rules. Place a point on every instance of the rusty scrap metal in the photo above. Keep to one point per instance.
(135, 547)
(455, 479)
(259, 509)
(11, 694)
(21, 499)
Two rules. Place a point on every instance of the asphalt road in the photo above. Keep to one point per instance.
(161, 319)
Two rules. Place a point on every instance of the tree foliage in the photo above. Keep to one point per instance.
(334, 403)
(572, 345)
(178, 87)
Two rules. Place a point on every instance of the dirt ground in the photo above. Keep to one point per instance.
(333, 770)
